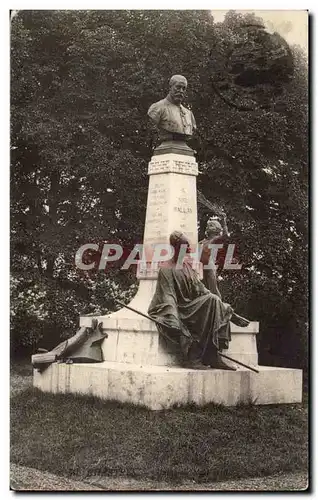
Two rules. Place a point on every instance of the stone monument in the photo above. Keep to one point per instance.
(139, 367)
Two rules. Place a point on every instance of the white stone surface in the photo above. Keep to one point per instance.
(172, 200)
(138, 367)
(134, 339)
(171, 205)
(173, 163)
(161, 387)
(131, 337)
(243, 346)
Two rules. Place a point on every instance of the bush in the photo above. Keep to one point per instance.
(43, 313)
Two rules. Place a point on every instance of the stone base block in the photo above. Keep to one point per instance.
(135, 339)
(161, 387)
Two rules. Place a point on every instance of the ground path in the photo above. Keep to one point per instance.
(26, 478)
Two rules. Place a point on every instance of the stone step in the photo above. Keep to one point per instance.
(161, 387)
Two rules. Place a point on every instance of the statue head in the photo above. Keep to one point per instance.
(213, 228)
(177, 238)
(177, 88)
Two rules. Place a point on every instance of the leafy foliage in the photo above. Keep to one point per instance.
(82, 82)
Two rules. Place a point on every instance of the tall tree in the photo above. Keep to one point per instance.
(81, 84)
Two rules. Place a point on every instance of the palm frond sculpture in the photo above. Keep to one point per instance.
(214, 208)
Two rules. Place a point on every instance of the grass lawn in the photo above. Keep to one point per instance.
(82, 436)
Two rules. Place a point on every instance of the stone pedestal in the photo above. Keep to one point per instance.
(172, 200)
(138, 366)
(162, 387)
(171, 205)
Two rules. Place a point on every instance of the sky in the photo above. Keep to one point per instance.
(291, 24)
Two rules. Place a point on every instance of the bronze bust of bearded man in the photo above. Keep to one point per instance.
(176, 123)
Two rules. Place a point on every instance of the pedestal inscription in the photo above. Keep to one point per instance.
(171, 203)
(157, 214)
(175, 164)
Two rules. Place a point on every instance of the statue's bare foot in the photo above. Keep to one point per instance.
(239, 320)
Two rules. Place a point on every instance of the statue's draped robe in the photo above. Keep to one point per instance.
(189, 311)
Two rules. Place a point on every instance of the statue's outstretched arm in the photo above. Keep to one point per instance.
(224, 225)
